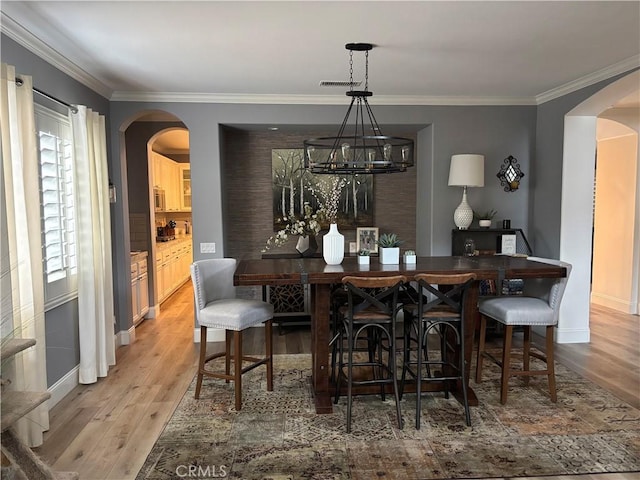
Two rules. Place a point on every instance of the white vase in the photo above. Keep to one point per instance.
(333, 246)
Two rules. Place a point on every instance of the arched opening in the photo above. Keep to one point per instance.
(577, 205)
(141, 135)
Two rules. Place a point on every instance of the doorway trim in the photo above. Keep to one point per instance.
(578, 171)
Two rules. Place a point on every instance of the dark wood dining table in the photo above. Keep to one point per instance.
(320, 276)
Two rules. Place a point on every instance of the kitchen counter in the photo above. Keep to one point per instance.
(137, 255)
(179, 240)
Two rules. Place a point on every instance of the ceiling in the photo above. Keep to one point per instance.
(426, 52)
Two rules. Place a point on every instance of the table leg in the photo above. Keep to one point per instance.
(320, 305)
(472, 317)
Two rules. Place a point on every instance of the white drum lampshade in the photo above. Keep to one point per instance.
(466, 170)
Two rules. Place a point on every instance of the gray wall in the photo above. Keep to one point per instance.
(531, 134)
(441, 131)
(546, 191)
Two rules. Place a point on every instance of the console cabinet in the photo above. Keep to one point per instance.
(488, 240)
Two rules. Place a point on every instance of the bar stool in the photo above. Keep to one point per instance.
(441, 311)
(538, 306)
(369, 317)
(217, 307)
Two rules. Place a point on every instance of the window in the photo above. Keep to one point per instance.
(57, 201)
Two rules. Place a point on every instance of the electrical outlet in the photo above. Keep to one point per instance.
(207, 248)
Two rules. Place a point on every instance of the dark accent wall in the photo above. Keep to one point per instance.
(247, 193)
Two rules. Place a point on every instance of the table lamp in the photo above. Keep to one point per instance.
(466, 170)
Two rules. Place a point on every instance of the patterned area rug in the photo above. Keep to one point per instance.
(278, 436)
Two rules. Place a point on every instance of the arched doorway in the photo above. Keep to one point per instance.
(138, 134)
(577, 205)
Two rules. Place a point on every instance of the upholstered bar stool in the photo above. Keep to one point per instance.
(538, 306)
(369, 317)
(217, 307)
(440, 311)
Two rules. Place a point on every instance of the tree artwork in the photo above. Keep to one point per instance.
(293, 186)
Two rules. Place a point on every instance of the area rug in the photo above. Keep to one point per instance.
(278, 436)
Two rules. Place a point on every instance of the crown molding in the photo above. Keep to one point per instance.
(595, 77)
(401, 100)
(19, 34)
(22, 36)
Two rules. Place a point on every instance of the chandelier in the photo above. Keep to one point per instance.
(359, 147)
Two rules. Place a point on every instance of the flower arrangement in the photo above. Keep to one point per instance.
(309, 224)
(328, 193)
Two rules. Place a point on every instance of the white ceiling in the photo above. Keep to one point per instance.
(427, 52)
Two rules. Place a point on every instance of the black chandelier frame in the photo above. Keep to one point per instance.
(362, 149)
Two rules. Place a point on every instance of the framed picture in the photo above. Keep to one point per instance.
(367, 239)
(292, 185)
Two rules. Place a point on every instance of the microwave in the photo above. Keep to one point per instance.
(159, 200)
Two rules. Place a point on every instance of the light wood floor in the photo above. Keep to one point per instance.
(106, 430)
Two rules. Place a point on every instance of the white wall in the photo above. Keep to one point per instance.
(615, 212)
(578, 164)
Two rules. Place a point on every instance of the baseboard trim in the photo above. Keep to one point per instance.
(63, 387)
(154, 311)
(213, 335)
(613, 303)
(125, 337)
(575, 335)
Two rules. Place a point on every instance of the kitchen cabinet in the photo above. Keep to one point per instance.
(185, 187)
(139, 286)
(173, 261)
(175, 179)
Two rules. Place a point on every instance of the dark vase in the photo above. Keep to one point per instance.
(307, 245)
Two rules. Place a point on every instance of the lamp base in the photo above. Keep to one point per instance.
(463, 215)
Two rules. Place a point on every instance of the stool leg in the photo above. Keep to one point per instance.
(550, 364)
(506, 362)
(421, 334)
(237, 359)
(228, 336)
(481, 347)
(526, 348)
(268, 328)
(203, 355)
(461, 371)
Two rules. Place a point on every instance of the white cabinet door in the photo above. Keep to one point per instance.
(185, 187)
(143, 290)
(135, 301)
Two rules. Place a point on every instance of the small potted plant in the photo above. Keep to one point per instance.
(389, 244)
(409, 257)
(364, 257)
(484, 218)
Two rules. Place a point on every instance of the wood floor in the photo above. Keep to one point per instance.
(106, 430)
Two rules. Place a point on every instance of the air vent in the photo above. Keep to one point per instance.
(334, 83)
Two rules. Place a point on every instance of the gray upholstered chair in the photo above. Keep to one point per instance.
(538, 306)
(217, 307)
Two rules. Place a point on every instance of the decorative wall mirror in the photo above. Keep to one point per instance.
(510, 174)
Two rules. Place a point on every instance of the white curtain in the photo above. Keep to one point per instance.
(22, 269)
(95, 287)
